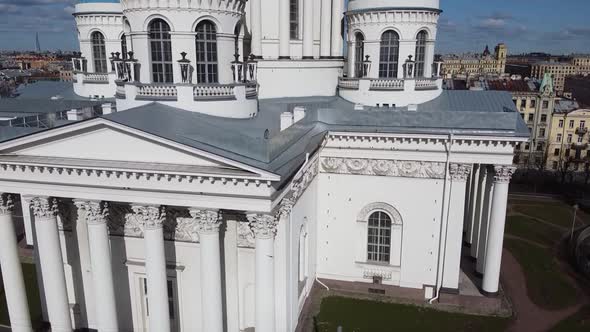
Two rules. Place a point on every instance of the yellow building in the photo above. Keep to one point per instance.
(568, 141)
(469, 64)
(577, 65)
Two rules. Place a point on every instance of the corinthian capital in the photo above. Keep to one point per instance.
(264, 226)
(206, 221)
(503, 173)
(6, 204)
(459, 172)
(285, 208)
(96, 213)
(44, 207)
(150, 217)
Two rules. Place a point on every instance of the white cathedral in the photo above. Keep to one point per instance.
(245, 158)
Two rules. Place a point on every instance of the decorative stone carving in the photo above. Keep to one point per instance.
(504, 173)
(246, 237)
(369, 274)
(148, 217)
(460, 172)
(263, 226)
(6, 204)
(366, 212)
(44, 207)
(96, 213)
(186, 230)
(285, 208)
(309, 173)
(378, 167)
(206, 221)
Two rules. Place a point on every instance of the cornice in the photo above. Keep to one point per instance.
(423, 138)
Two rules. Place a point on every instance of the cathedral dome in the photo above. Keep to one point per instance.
(392, 4)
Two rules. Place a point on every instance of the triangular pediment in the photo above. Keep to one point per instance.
(103, 141)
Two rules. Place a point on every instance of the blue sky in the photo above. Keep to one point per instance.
(465, 25)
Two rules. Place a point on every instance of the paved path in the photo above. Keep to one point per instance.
(529, 317)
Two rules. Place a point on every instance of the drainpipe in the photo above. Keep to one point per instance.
(444, 222)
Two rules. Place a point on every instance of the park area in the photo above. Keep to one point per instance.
(553, 300)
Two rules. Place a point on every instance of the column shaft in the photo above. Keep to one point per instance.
(308, 18)
(52, 266)
(472, 203)
(284, 30)
(157, 280)
(104, 286)
(85, 265)
(265, 304)
(211, 295)
(337, 11)
(256, 22)
(207, 224)
(325, 29)
(12, 273)
(478, 210)
(491, 277)
(485, 223)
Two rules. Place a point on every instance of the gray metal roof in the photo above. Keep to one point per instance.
(466, 112)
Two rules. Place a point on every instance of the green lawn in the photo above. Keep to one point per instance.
(579, 322)
(556, 213)
(32, 294)
(546, 285)
(369, 316)
(533, 230)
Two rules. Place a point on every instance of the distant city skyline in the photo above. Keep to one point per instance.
(465, 25)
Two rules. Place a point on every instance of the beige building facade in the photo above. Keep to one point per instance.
(578, 65)
(568, 142)
(470, 64)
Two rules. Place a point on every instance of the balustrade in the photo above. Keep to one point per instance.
(348, 83)
(96, 77)
(387, 84)
(157, 92)
(214, 91)
(426, 84)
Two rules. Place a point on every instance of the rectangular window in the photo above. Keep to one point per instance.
(542, 132)
(531, 117)
(569, 138)
(556, 152)
(533, 103)
(523, 103)
(527, 146)
(582, 124)
(560, 123)
(580, 139)
(571, 123)
(559, 137)
(540, 147)
(294, 19)
(543, 118)
(545, 104)
(567, 152)
(554, 165)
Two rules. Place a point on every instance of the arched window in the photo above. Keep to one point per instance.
(124, 46)
(389, 54)
(206, 53)
(359, 54)
(379, 241)
(421, 53)
(161, 51)
(99, 54)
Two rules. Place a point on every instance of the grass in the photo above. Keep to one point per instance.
(533, 230)
(579, 322)
(34, 299)
(356, 315)
(546, 286)
(556, 213)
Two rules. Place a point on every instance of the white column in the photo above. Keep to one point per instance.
(325, 29)
(478, 210)
(308, 18)
(452, 259)
(207, 225)
(141, 49)
(12, 272)
(283, 303)
(85, 264)
(284, 30)
(264, 228)
(491, 276)
(100, 251)
(52, 267)
(472, 203)
(485, 223)
(256, 23)
(337, 13)
(351, 57)
(153, 219)
(429, 58)
(225, 52)
(232, 283)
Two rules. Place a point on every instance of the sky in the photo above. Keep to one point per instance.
(558, 27)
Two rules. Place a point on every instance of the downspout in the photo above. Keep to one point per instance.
(442, 248)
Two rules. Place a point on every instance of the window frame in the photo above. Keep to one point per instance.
(359, 38)
(381, 254)
(162, 47)
(207, 55)
(389, 50)
(420, 54)
(99, 52)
